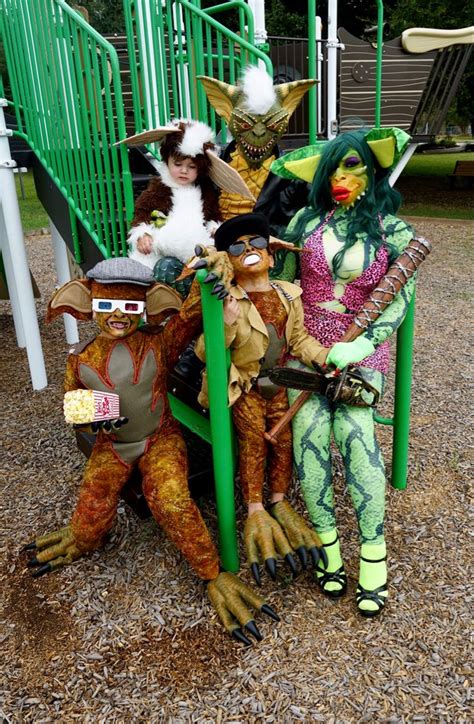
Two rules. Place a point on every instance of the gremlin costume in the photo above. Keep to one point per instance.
(350, 233)
(176, 212)
(133, 362)
(257, 114)
(265, 324)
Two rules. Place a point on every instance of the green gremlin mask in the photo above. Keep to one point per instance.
(256, 112)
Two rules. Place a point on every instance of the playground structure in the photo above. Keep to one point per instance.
(66, 89)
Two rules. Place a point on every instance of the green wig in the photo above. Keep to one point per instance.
(364, 217)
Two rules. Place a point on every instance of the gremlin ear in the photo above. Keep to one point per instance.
(384, 151)
(160, 298)
(220, 95)
(151, 136)
(73, 298)
(301, 163)
(304, 169)
(291, 94)
(387, 145)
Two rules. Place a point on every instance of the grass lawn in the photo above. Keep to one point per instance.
(33, 216)
(426, 189)
(435, 164)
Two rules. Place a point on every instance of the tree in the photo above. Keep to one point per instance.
(106, 16)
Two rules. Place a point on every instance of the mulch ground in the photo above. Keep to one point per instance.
(127, 634)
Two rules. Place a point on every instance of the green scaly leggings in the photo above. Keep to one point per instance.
(354, 434)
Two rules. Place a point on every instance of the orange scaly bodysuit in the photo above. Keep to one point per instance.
(136, 367)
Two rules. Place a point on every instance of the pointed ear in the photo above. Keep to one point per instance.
(384, 151)
(227, 178)
(387, 144)
(155, 134)
(275, 244)
(219, 95)
(304, 168)
(290, 94)
(74, 298)
(161, 298)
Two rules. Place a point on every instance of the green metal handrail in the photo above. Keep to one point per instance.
(312, 73)
(222, 437)
(67, 96)
(378, 64)
(170, 44)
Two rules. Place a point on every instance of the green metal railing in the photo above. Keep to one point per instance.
(312, 73)
(67, 98)
(171, 43)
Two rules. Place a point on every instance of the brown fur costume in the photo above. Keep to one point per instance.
(158, 197)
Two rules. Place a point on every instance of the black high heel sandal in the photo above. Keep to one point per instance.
(338, 576)
(362, 594)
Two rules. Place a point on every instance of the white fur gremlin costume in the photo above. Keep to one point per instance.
(178, 217)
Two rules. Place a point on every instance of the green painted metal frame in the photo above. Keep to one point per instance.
(403, 369)
(69, 69)
(184, 41)
(222, 436)
(218, 430)
(312, 67)
(401, 415)
(67, 97)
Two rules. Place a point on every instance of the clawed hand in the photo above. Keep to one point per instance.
(303, 540)
(109, 426)
(221, 271)
(52, 551)
(231, 599)
(265, 538)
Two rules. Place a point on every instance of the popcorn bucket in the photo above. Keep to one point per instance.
(82, 407)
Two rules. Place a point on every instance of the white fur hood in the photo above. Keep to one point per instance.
(184, 228)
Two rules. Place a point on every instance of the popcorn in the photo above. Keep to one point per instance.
(84, 406)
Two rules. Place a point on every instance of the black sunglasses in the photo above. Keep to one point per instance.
(238, 248)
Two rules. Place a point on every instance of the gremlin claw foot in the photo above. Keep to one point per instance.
(233, 601)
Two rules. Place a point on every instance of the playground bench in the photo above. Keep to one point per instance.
(463, 169)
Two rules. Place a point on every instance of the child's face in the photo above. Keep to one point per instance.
(249, 257)
(118, 320)
(183, 170)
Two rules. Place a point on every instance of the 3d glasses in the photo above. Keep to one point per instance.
(238, 247)
(126, 306)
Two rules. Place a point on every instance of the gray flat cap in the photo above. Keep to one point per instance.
(120, 270)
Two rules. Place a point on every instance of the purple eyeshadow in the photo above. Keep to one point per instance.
(352, 161)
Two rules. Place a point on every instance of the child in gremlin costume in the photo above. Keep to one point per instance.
(351, 234)
(263, 324)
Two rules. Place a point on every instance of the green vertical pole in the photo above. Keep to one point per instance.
(312, 54)
(401, 418)
(221, 424)
(378, 66)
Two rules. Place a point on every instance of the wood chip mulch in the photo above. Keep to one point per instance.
(127, 634)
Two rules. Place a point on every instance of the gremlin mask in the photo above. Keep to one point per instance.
(256, 112)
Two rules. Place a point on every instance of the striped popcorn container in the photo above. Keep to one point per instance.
(84, 406)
